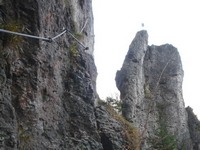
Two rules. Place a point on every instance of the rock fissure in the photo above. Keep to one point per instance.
(107, 144)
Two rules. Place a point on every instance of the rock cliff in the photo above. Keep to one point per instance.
(150, 83)
(47, 90)
(48, 98)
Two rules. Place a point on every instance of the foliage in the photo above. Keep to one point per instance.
(24, 136)
(198, 128)
(73, 51)
(12, 40)
(164, 140)
(79, 36)
(73, 57)
(66, 2)
(115, 103)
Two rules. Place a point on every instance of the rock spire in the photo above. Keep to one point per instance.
(150, 83)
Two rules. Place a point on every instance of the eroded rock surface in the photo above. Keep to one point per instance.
(47, 89)
(150, 83)
(116, 133)
(194, 128)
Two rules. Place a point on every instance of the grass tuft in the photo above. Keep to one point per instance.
(130, 132)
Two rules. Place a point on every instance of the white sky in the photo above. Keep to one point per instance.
(175, 22)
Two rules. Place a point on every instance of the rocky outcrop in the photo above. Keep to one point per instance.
(194, 128)
(150, 83)
(116, 133)
(47, 90)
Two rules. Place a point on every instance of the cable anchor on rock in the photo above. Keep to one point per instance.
(49, 39)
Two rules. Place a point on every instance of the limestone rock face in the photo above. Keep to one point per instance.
(130, 79)
(47, 90)
(150, 83)
(194, 128)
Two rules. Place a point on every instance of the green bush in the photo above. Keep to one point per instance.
(73, 51)
(115, 103)
(164, 140)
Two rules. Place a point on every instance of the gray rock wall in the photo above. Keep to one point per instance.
(116, 132)
(194, 128)
(47, 89)
(150, 83)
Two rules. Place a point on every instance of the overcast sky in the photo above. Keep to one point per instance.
(167, 21)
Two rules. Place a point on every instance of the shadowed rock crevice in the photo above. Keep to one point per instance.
(107, 144)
